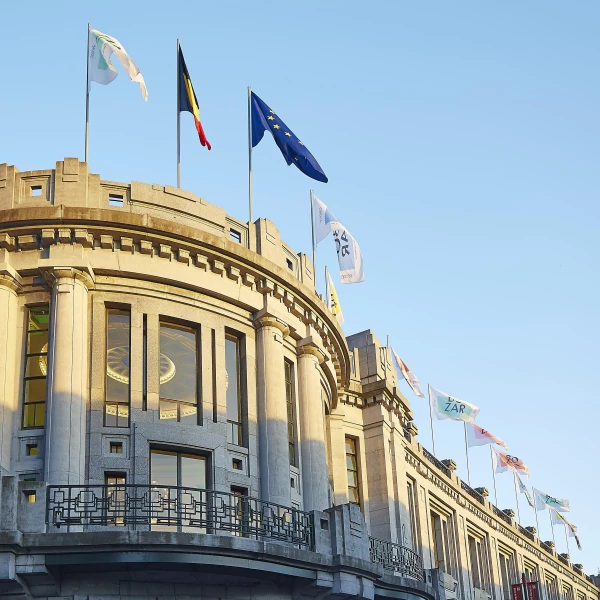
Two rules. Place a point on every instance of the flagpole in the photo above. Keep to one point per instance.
(249, 156)
(516, 495)
(431, 418)
(87, 95)
(494, 476)
(327, 290)
(314, 246)
(552, 527)
(467, 454)
(178, 121)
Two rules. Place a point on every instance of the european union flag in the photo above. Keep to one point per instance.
(293, 150)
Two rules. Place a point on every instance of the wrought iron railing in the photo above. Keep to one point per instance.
(472, 492)
(438, 463)
(395, 557)
(171, 508)
(501, 514)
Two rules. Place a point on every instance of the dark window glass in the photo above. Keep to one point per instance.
(36, 368)
(116, 402)
(289, 397)
(233, 395)
(352, 471)
(178, 373)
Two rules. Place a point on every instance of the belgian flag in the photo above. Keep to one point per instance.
(187, 98)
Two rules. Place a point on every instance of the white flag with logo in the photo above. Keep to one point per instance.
(408, 375)
(101, 70)
(349, 254)
(447, 407)
(521, 488)
(507, 462)
(478, 436)
(323, 218)
(544, 501)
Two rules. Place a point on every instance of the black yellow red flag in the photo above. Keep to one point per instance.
(187, 99)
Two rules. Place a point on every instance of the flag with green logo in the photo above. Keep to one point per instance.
(101, 70)
(544, 501)
(445, 407)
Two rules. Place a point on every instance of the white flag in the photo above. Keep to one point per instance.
(447, 407)
(557, 519)
(478, 436)
(523, 489)
(323, 218)
(506, 462)
(408, 375)
(544, 501)
(101, 70)
(333, 302)
(349, 254)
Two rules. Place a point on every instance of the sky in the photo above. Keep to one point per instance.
(461, 142)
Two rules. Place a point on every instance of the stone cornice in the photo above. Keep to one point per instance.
(53, 275)
(266, 320)
(307, 347)
(10, 279)
(38, 228)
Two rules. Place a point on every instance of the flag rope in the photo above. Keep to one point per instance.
(249, 162)
(431, 418)
(178, 120)
(467, 454)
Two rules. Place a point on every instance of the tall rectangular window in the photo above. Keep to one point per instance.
(36, 368)
(289, 398)
(178, 373)
(443, 542)
(411, 491)
(118, 335)
(352, 471)
(233, 387)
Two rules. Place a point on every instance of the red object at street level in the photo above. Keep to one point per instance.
(532, 590)
(516, 591)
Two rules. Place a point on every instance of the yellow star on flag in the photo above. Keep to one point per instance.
(288, 134)
(271, 118)
(276, 126)
(272, 112)
(300, 143)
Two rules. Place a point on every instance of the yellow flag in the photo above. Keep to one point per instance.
(333, 301)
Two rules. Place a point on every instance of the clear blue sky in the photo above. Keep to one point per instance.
(461, 142)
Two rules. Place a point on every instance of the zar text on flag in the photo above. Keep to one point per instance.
(101, 70)
(293, 150)
(349, 255)
(478, 436)
(187, 100)
(544, 501)
(408, 375)
(323, 219)
(445, 407)
(505, 462)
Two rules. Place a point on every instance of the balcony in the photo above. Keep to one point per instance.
(171, 508)
(397, 558)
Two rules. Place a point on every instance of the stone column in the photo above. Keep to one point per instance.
(68, 390)
(10, 349)
(272, 411)
(315, 475)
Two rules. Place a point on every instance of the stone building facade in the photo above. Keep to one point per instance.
(182, 416)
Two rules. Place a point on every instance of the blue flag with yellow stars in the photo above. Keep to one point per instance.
(293, 150)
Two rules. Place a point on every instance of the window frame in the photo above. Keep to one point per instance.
(290, 398)
(241, 375)
(25, 379)
(197, 330)
(108, 310)
(356, 454)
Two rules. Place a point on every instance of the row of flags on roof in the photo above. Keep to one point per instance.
(445, 407)
(262, 118)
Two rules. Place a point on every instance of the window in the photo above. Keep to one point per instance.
(236, 236)
(551, 586)
(411, 491)
(178, 373)
(36, 190)
(352, 471)
(115, 498)
(237, 464)
(289, 397)
(31, 449)
(36, 368)
(233, 387)
(508, 572)
(241, 509)
(478, 560)
(29, 496)
(443, 541)
(530, 569)
(116, 447)
(116, 401)
(115, 200)
(170, 471)
(289, 264)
